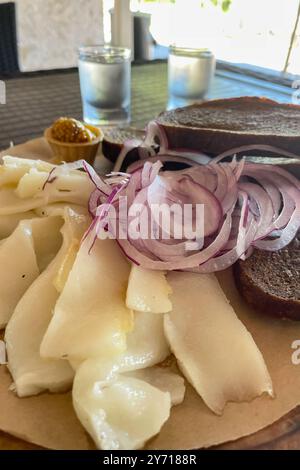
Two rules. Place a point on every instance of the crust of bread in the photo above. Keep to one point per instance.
(219, 138)
(114, 139)
(270, 281)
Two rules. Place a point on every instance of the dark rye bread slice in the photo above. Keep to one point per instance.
(219, 125)
(270, 281)
(115, 137)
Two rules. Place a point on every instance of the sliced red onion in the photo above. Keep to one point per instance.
(265, 207)
(155, 132)
(290, 230)
(182, 190)
(283, 204)
(187, 262)
(238, 168)
(247, 254)
(242, 244)
(155, 171)
(194, 157)
(222, 182)
(289, 188)
(258, 168)
(274, 194)
(166, 158)
(147, 149)
(231, 194)
(240, 214)
(201, 175)
(80, 164)
(95, 178)
(246, 148)
(94, 202)
(103, 213)
(146, 171)
(117, 177)
(145, 152)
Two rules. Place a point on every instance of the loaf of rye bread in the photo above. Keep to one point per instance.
(219, 125)
(270, 281)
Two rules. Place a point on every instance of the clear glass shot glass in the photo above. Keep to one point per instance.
(105, 79)
(190, 73)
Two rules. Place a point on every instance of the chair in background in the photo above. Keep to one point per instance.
(8, 40)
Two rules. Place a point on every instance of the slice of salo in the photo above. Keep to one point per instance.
(18, 269)
(214, 350)
(148, 291)
(90, 318)
(164, 379)
(118, 412)
(23, 255)
(28, 324)
(8, 223)
(146, 343)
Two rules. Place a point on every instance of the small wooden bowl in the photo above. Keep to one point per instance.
(71, 152)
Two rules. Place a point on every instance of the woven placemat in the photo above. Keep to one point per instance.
(34, 101)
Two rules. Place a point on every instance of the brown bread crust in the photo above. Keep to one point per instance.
(270, 281)
(219, 125)
(114, 139)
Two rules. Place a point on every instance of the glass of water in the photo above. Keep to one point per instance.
(190, 72)
(105, 76)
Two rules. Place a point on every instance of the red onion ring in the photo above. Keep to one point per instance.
(242, 244)
(246, 148)
(247, 204)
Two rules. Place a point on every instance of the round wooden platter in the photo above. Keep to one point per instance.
(284, 434)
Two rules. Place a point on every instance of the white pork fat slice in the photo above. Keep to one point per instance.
(118, 412)
(47, 238)
(23, 255)
(73, 187)
(215, 351)
(90, 318)
(148, 291)
(18, 269)
(58, 209)
(164, 379)
(26, 164)
(146, 343)
(23, 188)
(11, 203)
(8, 223)
(31, 184)
(14, 168)
(28, 324)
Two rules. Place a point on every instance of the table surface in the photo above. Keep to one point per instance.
(33, 102)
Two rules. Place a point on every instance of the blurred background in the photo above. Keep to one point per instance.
(256, 44)
(45, 34)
